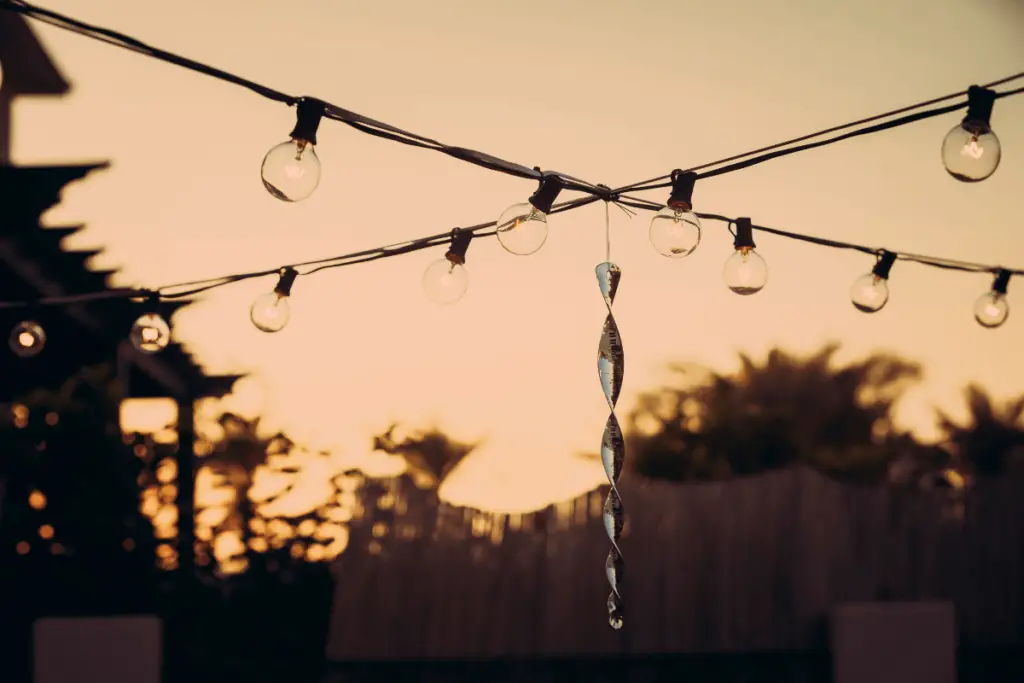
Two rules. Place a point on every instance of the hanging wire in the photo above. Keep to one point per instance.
(389, 132)
(595, 192)
(656, 183)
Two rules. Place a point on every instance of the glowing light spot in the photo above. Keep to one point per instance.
(36, 500)
(46, 531)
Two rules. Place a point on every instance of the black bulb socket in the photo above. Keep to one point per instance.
(544, 198)
(284, 285)
(1002, 281)
(681, 197)
(460, 243)
(744, 237)
(884, 265)
(309, 112)
(979, 104)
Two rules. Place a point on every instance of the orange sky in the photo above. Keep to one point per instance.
(609, 92)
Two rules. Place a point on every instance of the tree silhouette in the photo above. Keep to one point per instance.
(430, 455)
(236, 455)
(992, 440)
(784, 411)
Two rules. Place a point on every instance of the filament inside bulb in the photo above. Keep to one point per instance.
(744, 272)
(27, 340)
(150, 334)
(972, 148)
(870, 291)
(293, 169)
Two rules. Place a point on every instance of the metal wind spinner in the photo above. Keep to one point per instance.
(610, 367)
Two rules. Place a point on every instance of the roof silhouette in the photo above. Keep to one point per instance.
(28, 68)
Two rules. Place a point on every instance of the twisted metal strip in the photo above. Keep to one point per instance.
(610, 367)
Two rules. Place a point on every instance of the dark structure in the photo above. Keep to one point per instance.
(35, 265)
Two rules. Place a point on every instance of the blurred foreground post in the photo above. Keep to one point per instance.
(902, 642)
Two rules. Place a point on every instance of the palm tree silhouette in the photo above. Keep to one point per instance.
(784, 411)
(992, 441)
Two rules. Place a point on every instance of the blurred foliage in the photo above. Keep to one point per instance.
(992, 440)
(784, 411)
(430, 455)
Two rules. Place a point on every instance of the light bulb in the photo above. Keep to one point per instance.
(522, 229)
(991, 309)
(869, 293)
(291, 170)
(675, 232)
(971, 151)
(745, 272)
(675, 229)
(150, 333)
(27, 339)
(270, 312)
(445, 281)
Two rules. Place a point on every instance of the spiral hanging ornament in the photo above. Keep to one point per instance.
(610, 367)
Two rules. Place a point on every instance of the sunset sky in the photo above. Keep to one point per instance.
(610, 92)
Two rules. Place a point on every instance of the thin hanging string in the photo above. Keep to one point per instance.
(607, 234)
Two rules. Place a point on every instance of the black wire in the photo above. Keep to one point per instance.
(387, 131)
(127, 42)
(641, 186)
(331, 111)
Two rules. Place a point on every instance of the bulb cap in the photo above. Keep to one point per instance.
(744, 237)
(460, 244)
(309, 112)
(884, 264)
(979, 104)
(1002, 281)
(544, 198)
(284, 285)
(682, 189)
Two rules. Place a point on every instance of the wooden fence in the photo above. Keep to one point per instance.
(749, 564)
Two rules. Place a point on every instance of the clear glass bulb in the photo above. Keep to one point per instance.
(745, 271)
(991, 309)
(971, 152)
(270, 312)
(445, 281)
(869, 293)
(27, 339)
(150, 333)
(291, 170)
(522, 229)
(675, 232)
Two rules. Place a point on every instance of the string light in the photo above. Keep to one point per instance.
(291, 170)
(675, 229)
(27, 339)
(270, 312)
(870, 292)
(971, 151)
(150, 333)
(991, 309)
(523, 228)
(445, 280)
(745, 272)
